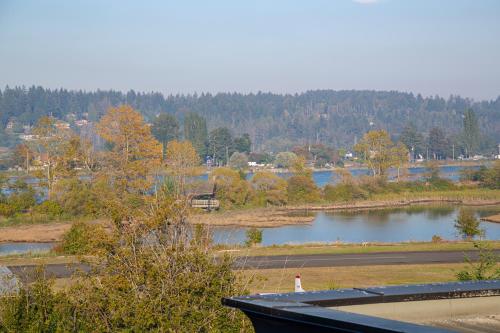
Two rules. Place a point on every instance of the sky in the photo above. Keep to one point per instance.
(430, 47)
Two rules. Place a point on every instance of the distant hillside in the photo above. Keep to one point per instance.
(274, 121)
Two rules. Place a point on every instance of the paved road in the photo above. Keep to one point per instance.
(26, 273)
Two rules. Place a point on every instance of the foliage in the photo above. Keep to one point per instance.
(220, 145)
(344, 192)
(467, 224)
(238, 161)
(413, 140)
(254, 236)
(195, 130)
(243, 144)
(165, 128)
(182, 162)
(50, 208)
(285, 159)
(470, 133)
(376, 150)
(231, 190)
(302, 189)
(438, 143)
(270, 189)
(135, 153)
(22, 198)
(486, 267)
(275, 122)
(77, 197)
(86, 238)
(488, 177)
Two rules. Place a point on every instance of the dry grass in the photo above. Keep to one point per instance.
(322, 278)
(357, 248)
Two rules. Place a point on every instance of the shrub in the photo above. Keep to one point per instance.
(485, 269)
(344, 192)
(50, 208)
(77, 198)
(231, 190)
(437, 239)
(467, 224)
(302, 189)
(270, 188)
(6, 210)
(254, 236)
(85, 238)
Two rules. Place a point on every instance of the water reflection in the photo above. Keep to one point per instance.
(417, 223)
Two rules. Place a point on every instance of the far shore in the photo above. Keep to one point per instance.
(493, 218)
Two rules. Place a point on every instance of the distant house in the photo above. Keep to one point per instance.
(62, 125)
(81, 122)
(202, 195)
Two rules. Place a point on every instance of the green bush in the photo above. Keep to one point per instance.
(254, 236)
(50, 208)
(85, 238)
(77, 198)
(302, 189)
(467, 224)
(344, 192)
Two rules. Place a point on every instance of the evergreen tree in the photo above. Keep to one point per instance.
(220, 145)
(195, 130)
(470, 132)
(413, 140)
(165, 129)
(243, 144)
(438, 144)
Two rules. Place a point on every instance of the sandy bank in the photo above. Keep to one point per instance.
(492, 218)
(52, 232)
(251, 218)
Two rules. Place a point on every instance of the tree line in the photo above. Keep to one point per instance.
(273, 122)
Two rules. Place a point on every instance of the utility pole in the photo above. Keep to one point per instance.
(453, 152)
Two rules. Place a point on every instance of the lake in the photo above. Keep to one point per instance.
(415, 223)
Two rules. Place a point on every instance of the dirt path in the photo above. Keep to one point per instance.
(52, 232)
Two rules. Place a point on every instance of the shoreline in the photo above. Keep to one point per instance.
(251, 217)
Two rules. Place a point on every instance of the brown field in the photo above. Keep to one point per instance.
(52, 232)
(322, 278)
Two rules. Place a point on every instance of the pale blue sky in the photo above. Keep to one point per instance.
(424, 46)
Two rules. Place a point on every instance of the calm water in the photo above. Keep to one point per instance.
(18, 248)
(417, 223)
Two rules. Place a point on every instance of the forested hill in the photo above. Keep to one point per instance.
(273, 121)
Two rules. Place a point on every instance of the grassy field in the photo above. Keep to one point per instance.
(323, 278)
(356, 248)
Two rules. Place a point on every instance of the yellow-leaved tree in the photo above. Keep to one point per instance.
(182, 161)
(134, 155)
(375, 148)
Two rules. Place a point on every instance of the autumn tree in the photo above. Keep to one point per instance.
(53, 145)
(134, 153)
(270, 189)
(400, 157)
(375, 149)
(285, 159)
(231, 190)
(182, 161)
